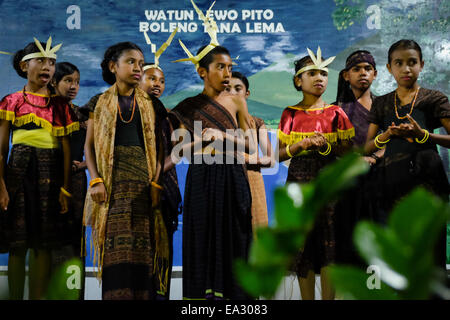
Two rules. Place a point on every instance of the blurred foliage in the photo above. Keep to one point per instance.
(295, 211)
(402, 252)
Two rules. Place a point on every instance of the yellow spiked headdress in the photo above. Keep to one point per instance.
(318, 64)
(160, 50)
(47, 53)
(211, 29)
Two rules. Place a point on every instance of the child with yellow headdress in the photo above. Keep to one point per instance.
(311, 134)
(35, 185)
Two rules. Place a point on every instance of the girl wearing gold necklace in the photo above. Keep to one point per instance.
(407, 118)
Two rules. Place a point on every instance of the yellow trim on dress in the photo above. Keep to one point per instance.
(38, 94)
(309, 109)
(43, 123)
(331, 137)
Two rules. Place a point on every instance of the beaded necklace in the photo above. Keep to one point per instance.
(34, 105)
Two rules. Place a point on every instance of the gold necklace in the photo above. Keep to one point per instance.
(315, 114)
(34, 105)
(132, 113)
(412, 106)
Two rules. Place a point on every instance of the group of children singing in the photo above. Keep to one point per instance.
(132, 201)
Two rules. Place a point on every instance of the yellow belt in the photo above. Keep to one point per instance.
(38, 138)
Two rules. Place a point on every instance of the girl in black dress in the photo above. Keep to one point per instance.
(407, 117)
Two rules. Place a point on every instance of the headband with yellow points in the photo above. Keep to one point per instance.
(211, 29)
(318, 64)
(160, 50)
(47, 53)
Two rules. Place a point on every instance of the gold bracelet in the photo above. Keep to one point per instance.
(157, 185)
(66, 193)
(376, 144)
(377, 141)
(95, 181)
(425, 137)
(289, 152)
(328, 151)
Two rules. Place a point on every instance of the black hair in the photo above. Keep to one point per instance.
(404, 44)
(209, 58)
(113, 53)
(240, 76)
(303, 62)
(344, 92)
(63, 69)
(18, 56)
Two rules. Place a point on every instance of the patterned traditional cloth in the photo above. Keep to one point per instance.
(359, 57)
(128, 266)
(105, 117)
(33, 180)
(258, 191)
(407, 165)
(319, 249)
(217, 211)
(57, 117)
(171, 201)
(259, 202)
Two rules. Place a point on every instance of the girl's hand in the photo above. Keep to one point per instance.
(4, 197)
(64, 202)
(417, 131)
(318, 140)
(403, 130)
(306, 143)
(98, 192)
(370, 160)
(155, 194)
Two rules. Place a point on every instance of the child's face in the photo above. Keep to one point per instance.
(128, 68)
(218, 74)
(69, 85)
(237, 87)
(153, 82)
(313, 82)
(39, 71)
(361, 76)
(405, 66)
